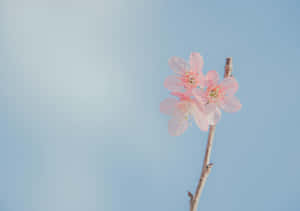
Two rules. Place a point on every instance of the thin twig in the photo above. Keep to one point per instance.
(194, 200)
(228, 67)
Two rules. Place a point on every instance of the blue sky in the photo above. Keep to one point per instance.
(80, 87)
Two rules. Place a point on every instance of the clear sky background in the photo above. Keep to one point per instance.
(80, 87)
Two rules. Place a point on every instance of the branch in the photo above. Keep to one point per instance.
(228, 67)
(206, 167)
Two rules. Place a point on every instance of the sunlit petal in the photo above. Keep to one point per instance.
(177, 125)
(231, 104)
(168, 106)
(178, 65)
(211, 78)
(173, 84)
(229, 85)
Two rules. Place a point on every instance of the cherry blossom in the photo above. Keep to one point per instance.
(218, 95)
(188, 76)
(199, 97)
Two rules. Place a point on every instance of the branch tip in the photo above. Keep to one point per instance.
(228, 67)
(228, 60)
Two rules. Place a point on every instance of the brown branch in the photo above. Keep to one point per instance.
(228, 67)
(206, 167)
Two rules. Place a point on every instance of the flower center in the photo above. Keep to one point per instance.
(186, 116)
(215, 94)
(190, 79)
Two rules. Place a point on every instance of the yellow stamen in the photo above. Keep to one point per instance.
(214, 93)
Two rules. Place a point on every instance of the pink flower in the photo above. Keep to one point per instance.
(188, 76)
(181, 111)
(218, 95)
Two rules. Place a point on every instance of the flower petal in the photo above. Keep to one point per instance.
(178, 65)
(199, 117)
(177, 126)
(200, 95)
(231, 104)
(211, 78)
(180, 95)
(196, 61)
(214, 117)
(229, 85)
(210, 107)
(200, 105)
(173, 84)
(168, 106)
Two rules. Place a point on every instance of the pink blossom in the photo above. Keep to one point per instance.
(218, 95)
(188, 76)
(181, 111)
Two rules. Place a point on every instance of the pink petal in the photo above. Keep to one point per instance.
(231, 104)
(178, 65)
(199, 117)
(182, 95)
(214, 117)
(200, 105)
(178, 94)
(173, 84)
(168, 106)
(196, 61)
(202, 81)
(211, 78)
(177, 126)
(188, 93)
(210, 107)
(229, 85)
(200, 95)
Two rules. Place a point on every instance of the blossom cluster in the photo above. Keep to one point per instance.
(199, 97)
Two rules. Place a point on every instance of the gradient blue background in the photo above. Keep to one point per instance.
(80, 87)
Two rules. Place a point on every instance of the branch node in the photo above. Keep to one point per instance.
(209, 166)
(191, 196)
